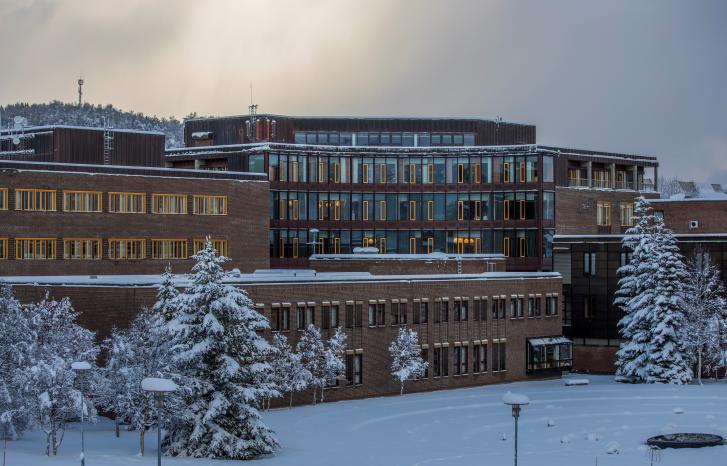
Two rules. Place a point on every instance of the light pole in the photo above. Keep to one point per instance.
(516, 401)
(80, 368)
(159, 387)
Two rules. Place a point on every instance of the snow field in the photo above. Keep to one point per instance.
(455, 427)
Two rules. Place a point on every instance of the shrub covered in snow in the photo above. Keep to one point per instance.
(406, 357)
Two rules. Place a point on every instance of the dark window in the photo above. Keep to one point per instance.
(300, 317)
(394, 313)
(589, 264)
(275, 319)
(326, 317)
(349, 315)
(358, 315)
(380, 314)
(445, 311)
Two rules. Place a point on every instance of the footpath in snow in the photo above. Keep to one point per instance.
(561, 426)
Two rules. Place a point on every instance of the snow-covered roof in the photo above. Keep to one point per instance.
(692, 191)
(35, 129)
(267, 277)
(557, 340)
(377, 256)
(359, 118)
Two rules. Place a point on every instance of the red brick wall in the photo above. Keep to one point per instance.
(103, 307)
(245, 227)
(711, 215)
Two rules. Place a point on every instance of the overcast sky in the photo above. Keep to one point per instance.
(646, 77)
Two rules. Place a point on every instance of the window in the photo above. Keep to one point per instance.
(365, 215)
(354, 368)
(538, 300)
(81, 248)
(372, 314)
(35, 199)
(521, 246)
(3, 198)
(513, 308)
(603, 213)
(499, 356)
(460, 210)
(624, 259)
(300, 317)
(430, 245)
(3, 248)
(461, 310)
(382, 173)
(168, 204)
(358, 314)
(169, 249)
(430, 210)
(460, 173)
(627, 214)
(498, 308)
(479, 358)
(531, 307)
(209, 205)
(127, 203)
(220, 245)
(551, 306)
(82, 201)
(506, 209)
(522, 172)
(412, 245)
(280, 318)
(127, 248)
(35, 248)
(441, 362)
(477, 173)
(425, 358)
(460, 360)
(589, 264)
(380, 314)
(506, 246)
(412, 210)
(382, 210)
(349, 315)
(398, 313)
(589, 307)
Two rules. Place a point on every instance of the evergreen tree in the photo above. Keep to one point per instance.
(313, 357)
(635, 293)
(406, 357)
(166, 295)
(223, 368)
(666, 362)
(335, 366)
(706, 312)
(15, 343)
(288, 372)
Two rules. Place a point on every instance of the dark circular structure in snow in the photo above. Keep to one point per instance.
(685, 440)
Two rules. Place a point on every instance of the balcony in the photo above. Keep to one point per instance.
(601, 183)
(621, 184)
(578, 182)
(646, 185)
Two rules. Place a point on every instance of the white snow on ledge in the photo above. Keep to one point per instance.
(153, 384)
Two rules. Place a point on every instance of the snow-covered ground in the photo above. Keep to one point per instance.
(456, 427)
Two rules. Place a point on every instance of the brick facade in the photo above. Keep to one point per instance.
(104, 306)
(245, 226)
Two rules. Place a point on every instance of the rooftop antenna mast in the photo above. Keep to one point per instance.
(252, 122)
(80, 91)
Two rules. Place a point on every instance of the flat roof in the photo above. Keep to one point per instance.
(266, 277)
(35, 129)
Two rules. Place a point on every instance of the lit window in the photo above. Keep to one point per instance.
(603, 213)
(3, 198)
(127, 248)
(35, 199)
(220, 245)
(209, 205)
(127, 203)
(82, 201)
(506, 172)
(35, 248)
(168, 203)
(169, 248)
(627, 214)
(81, 248)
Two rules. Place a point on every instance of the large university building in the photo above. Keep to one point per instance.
(450, 226)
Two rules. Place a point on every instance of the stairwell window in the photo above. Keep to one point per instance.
(35, 248)
(169, 204)
(603, 213)
(39, 200)
(127, 248)
(82, 248)
(82, 201)
(209, 205)
(127, 203)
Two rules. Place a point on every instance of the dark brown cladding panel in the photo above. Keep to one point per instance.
(232, 130)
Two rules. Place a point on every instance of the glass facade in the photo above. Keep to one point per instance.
(385, 138)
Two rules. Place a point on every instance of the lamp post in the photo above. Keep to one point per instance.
(516, 401)
(80, 368)
(158, 387)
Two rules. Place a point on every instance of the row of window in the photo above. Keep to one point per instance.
(387, 138)
(603, 213)
(589, 262)
(118, 202)
(117, 248)
(295, 168)
(344, 206)
(443, 310)
(510, 242)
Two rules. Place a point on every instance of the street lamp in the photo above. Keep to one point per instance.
(516, 401)
(80, 368)
(159, 387)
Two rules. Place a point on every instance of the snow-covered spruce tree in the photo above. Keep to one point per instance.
(47, 381)
(406, 357)
(15, 343)
(667, 361)
(704, 296)
(635, 294)
(335, 368)
(313, 357)
(134, 354)
(166, 295)
(288, 372)
(222, 361)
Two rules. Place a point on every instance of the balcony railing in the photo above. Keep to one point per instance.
(578, 182)
(646, 185)
(621, 184)
(601, 184)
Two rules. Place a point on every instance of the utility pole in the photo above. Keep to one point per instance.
(80, 91)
